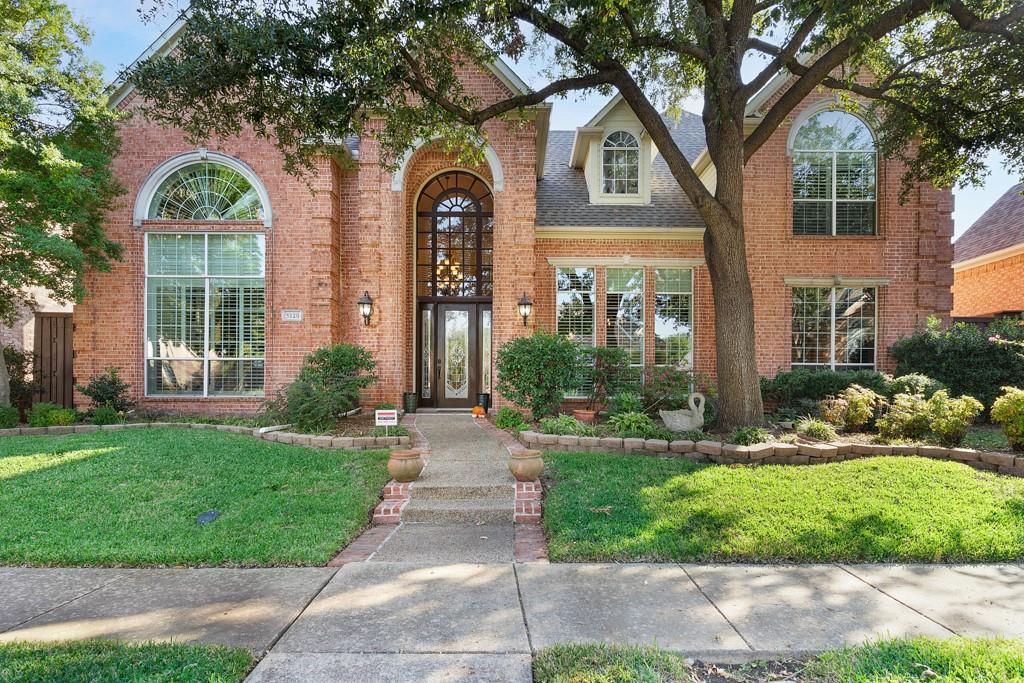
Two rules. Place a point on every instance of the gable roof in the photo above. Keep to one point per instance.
(564, 200)
(998, 229)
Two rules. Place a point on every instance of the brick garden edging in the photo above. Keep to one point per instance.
(324, 441)
(769, 453)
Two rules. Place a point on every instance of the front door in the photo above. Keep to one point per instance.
(454, 354)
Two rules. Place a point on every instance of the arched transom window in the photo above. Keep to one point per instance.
(834, 176)
(454, 237)
(206, 191)
(620, 164)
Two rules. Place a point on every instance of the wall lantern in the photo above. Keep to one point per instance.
(525, 307)
(365, 304)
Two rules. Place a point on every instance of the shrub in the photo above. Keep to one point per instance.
(633, 425)
(565, 425)
(108, 389)
(1008, 411)
(816, 429)
(609, 372)
(105, 415)
(9, 417)
(914, 383)
(19, 367)
(690, 434)
(326, 388)
(389, 431)
(966, 359)
(509, 418)
(50, 415)
(384, 405)
(748, 436)
(625, 402)
(787, 388)
(537, 371)
(907, 418)
(950, 418)
(669, 388)
(853, 409)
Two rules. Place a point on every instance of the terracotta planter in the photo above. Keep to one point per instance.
(405, 466)
(526, 465)
(585, 416)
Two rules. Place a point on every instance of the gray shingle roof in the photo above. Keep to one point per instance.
(1000, 227)
(563, 199)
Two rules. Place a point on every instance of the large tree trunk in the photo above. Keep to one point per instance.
(5, 382)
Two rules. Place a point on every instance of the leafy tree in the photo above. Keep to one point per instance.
(57, 139)
(944, 74)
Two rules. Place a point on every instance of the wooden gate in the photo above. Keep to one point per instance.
(53, 369)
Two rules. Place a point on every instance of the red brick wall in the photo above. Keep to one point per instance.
(990, 288)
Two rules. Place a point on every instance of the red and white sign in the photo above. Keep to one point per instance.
(386, 418)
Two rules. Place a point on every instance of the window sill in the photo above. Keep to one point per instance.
(200, 397)
(855, 238)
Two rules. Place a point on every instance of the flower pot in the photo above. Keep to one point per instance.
(525, 465)
(585, 416)
(410, 401)
(405, 466)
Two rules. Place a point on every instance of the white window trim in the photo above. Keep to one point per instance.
(834, 199)
(639, 166)
(832, 365)
(643, 309)
(157, 176)
(693, 314)
(205, 360)
(593, 316)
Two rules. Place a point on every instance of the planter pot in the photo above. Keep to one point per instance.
(410, 401)
(585, 416)
(525, 465)
(405, 466)
(484, 399)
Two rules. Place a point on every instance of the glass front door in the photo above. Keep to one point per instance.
(454, 354)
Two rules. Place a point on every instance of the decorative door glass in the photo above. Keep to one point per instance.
(427, 360)
(485, 351)
(456, 354)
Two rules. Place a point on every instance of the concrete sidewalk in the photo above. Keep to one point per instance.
(394, 621)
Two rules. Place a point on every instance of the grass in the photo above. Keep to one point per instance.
(131, 498)
(986, 438)
(638, 508)
(98, 661)
(956, 660)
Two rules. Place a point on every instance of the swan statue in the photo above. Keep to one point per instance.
(683, 420)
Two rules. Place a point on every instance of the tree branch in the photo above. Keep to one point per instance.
(660, 41)
(783, 54)
(969, 21)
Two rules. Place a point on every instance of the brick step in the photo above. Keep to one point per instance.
(459, 511)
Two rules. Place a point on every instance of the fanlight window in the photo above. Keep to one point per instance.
(620, 164)
(834, 176)
(206, 191)
(455, 237)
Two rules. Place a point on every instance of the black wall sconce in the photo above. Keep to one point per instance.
(525, 307)
(365, 304)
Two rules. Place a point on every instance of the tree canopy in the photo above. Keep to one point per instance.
(943, 77)
(57, 139)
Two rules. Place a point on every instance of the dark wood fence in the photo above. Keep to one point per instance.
(54, 359)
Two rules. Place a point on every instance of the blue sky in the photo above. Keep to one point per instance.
(120, 35)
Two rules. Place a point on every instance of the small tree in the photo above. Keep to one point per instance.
(536, 372)
(609, 373)
(57, 139)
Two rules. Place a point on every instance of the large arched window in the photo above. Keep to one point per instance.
(834, 176)
(206, 191)
(454, 237)
(620, 164)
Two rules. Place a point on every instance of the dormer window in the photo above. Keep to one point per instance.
(620, 164)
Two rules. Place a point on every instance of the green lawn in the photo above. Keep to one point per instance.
(955, 660)
(637, 508)
(131, 498)
(98, 661)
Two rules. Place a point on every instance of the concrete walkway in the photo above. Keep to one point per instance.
(395, 621)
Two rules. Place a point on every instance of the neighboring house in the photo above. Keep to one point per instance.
(233, 271)
(988, 261)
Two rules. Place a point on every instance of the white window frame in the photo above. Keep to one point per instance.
(205, 359)
(834, 199)
(832, 364)
(593, 315)
(643, 309)
(693, 326)
(639, 169)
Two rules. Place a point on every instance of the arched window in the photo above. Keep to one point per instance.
(455, 237)
(834, 176)
(620, 164)
(206, 191)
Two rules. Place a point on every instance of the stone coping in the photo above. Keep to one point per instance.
(314, 441)
(770, 453)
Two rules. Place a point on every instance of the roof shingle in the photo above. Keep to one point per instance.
(1000, 227)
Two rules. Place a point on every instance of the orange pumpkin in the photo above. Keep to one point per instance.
(478, 411)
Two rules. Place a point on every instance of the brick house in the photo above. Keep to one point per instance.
(234, 270)
(988, 261)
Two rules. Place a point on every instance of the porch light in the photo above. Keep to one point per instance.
(525, 307)
(365, 304)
